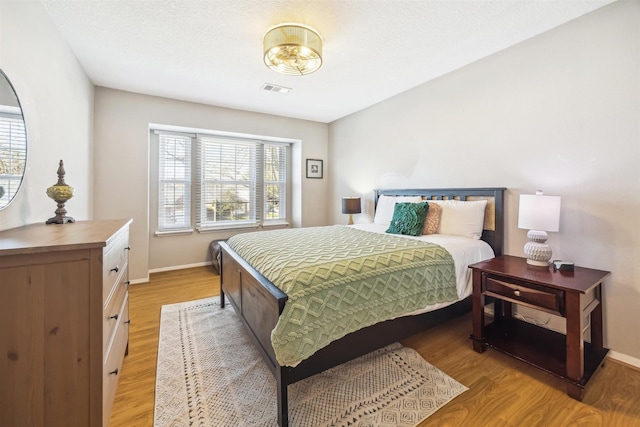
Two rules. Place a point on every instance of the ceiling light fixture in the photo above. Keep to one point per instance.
(292, 49)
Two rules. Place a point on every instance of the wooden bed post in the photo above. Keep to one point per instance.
(283, 401)
(222, 301)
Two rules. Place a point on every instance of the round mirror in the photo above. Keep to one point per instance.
(13, 142)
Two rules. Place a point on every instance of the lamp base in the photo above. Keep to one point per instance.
(350, 219)
(537, 251)
(537, 263)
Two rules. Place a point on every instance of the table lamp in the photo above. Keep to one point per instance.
(538, 214)
(351, 205)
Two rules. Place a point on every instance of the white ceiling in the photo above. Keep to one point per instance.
(210, 51)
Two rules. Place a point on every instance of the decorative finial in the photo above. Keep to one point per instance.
(60, 193)
(61, 174)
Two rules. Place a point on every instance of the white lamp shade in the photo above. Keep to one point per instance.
(539, 212)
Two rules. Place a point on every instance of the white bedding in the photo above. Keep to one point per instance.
(465, 251)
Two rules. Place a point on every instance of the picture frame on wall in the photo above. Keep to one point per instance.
(314, 168)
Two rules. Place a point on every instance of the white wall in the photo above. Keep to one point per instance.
(559, 112)
(57, 102)
(122, 168)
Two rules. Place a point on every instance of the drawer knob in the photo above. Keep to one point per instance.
(116, 269)
(516, 293)
(128, 248)
(115, 316)
(115, 372)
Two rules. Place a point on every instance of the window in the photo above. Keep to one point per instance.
(13, 152)
(275, 181)
(174, 182)
(237, 182)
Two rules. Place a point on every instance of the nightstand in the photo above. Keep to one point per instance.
(575, 295)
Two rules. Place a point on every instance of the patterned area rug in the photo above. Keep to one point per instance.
(210, 374)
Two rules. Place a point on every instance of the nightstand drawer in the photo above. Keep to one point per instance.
(548, 299)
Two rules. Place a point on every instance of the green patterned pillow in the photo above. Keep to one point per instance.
(408, 218)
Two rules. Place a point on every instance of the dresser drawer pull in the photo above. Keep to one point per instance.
(128, 321)
(128, 248)
(116, 269)
(516, 293)
(115, 316)
(128, 282)
(115, 372)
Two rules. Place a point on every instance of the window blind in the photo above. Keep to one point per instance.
(228, 180)
(13, 154)
(174, 183)
(275, 181)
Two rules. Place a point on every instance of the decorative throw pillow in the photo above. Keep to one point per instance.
(432, 221)
(408, 218)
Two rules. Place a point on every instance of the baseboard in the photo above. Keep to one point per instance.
(179, 267)
(139, 281)
(624, 359)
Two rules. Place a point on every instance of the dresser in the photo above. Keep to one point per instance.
(64, 320)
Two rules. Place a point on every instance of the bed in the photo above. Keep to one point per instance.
(261, 303)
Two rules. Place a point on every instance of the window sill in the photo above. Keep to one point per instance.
(271, 224)
(166, 233)
(227, 228)
(274, 224)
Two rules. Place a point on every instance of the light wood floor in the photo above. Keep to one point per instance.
(502, 390)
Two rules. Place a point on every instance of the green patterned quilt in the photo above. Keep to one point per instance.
(340, 279)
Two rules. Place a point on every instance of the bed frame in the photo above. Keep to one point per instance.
(259, 302)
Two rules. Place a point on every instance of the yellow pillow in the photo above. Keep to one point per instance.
(433, 219)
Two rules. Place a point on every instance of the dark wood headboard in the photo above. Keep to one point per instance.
(493, 232)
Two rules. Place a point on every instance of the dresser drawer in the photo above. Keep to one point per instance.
(114, 312)
(547, 299)
(112, 367)
(115, 262)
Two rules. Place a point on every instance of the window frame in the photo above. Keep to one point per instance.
(187, 181)
(259, 195)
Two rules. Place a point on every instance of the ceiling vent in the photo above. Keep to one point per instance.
(275, 88)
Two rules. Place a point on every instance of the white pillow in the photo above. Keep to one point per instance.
(386, 205)
(461, 218)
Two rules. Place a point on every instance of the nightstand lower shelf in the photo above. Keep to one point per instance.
(540, 347)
